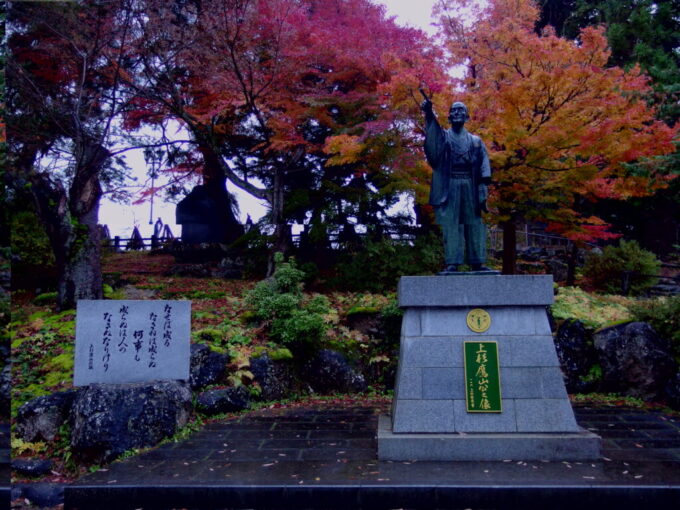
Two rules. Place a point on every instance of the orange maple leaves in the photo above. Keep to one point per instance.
(558, 123)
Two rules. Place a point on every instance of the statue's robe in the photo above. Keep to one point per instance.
(460, 171)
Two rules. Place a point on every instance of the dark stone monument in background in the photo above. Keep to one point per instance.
(207, 218)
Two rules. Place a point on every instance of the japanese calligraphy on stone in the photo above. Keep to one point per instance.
(482, 378)
(120, 341)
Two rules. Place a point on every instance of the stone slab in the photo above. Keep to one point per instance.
(545, 415)
(423, 416)
(503, 290)
(443, 383)
(410, 383)
(431, 352)
(521, 382)
(505, 421)
(123, 341)
(552, 382)
(531, 351)
(577, 446)
(505, 320)
(441, 351)
(410, 323)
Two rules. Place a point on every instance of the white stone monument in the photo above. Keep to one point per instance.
(123, 341)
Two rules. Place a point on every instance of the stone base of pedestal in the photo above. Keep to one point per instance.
(577, 446)
(430, 417)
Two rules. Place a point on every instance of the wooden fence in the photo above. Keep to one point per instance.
(525, 239)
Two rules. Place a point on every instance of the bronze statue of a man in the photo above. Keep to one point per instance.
(460, 175)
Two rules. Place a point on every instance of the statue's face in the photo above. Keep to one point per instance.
(458, 113)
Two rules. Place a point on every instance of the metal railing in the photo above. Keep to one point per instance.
(118, 243)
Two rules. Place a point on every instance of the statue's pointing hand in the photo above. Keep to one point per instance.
(426, 106)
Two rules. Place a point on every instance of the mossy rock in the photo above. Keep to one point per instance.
(275, 354)
(47, 298)
(363, 310)
(209, 335)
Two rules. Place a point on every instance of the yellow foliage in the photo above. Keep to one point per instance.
(346, 149)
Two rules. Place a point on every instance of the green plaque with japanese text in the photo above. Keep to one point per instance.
(482, 378)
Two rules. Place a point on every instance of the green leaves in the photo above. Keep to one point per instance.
(625, 261)
(290, 318)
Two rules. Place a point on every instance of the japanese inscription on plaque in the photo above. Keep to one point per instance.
(482, 378)
(131, 341)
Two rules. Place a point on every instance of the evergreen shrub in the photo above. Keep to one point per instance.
(606, 271)
(278, 302)
(379, 264)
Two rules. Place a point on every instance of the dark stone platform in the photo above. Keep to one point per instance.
(325, 456)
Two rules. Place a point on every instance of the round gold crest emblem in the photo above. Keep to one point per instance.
(478, 320)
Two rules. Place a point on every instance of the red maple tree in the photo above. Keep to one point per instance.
(271, 90)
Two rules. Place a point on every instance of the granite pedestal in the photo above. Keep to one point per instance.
(429, 414)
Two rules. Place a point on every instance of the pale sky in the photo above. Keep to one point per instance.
(122, 218)
(416, 13)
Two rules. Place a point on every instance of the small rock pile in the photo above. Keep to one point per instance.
(106, 420)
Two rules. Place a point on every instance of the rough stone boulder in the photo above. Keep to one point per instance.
(226, 400)
(107, 420)
(206, 366)
(276, 378)
(635, 360)
(43, 495)
(39, 419)
(576, 354)
(32, 467)
(329, 371)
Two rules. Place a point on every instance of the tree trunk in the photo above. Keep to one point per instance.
(281, 231)
(509, 247)
(572, 254)
(215, 183)
(80, 274)
(424, 218)
(71, 224)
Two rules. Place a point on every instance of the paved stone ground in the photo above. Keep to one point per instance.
(325, 457)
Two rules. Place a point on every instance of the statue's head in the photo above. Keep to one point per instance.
(458, 113)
